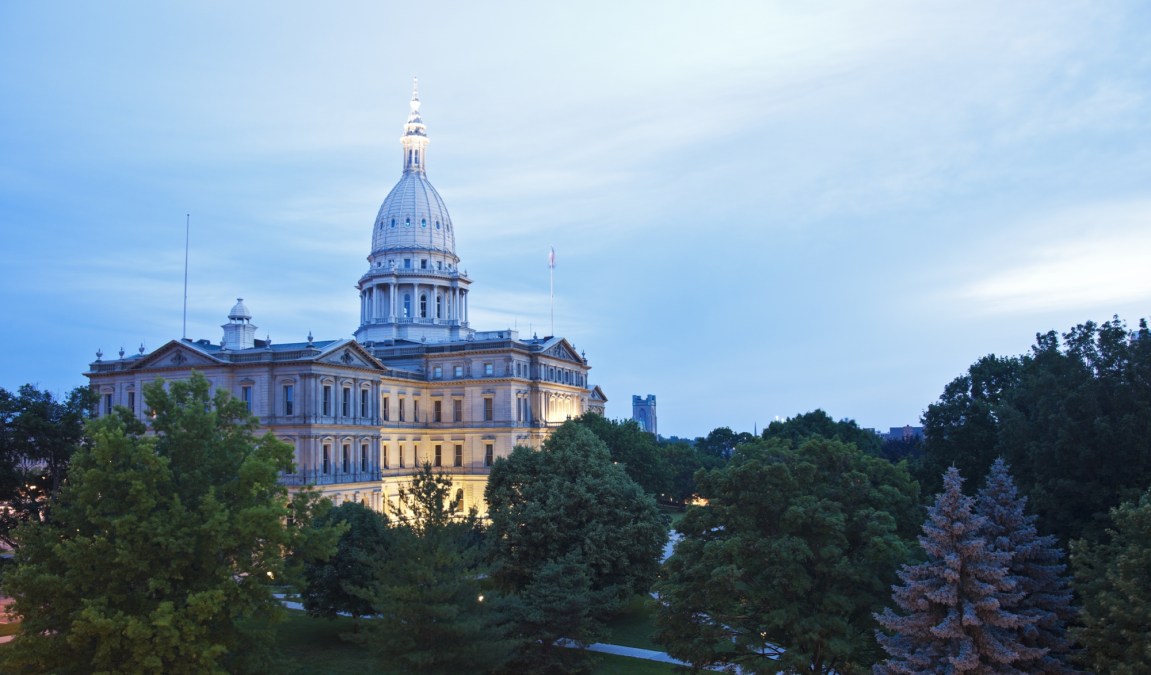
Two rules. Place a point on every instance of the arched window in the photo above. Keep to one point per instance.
(423, 305)
(407, 305)
(423, 222)
(439, 306)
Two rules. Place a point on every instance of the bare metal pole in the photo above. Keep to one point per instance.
(187, 229)
(552, 286)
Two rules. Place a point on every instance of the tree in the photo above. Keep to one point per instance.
(955, 604)
(331, 585)
(38, 435)
(563, 508)
(632, 447)
(722, 441)
(157, 555)
(1114, 580)
(435, 614)
(1036, 563)
(818, 423)
(784, 566)
(1072, 417)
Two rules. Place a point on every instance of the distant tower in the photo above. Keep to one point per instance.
(239, 333)
(643, 412)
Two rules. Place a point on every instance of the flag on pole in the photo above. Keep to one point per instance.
(552, 258)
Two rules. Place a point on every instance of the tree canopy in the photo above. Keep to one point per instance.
(334, 585)
(568, 522)
(1114, 580)
(632, 447)
(1072, 417)
(818, 423)
(157, 555)
(784, 565)
(38, 435)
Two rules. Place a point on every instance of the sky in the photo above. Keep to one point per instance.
(758, 208)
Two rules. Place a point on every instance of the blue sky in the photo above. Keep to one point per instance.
(758, 208)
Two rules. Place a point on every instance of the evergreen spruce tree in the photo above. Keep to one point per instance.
(1037, 565)
(955, 618)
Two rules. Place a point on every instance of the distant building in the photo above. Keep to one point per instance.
(643, 412)
(417, 384)
(904, 433)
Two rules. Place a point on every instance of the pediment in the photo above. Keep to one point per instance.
(351, 354)
(176, 354)
(564, 351)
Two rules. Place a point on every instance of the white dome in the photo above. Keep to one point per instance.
(240, 312)
(414, 216)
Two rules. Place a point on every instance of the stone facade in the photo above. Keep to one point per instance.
(418, 384)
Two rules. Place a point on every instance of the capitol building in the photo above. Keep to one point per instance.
(416, 383)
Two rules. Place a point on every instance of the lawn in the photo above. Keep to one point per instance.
(634, 625)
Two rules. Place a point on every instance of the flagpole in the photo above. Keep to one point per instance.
(552, 286)
(187, 229)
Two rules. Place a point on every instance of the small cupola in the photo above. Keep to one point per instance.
(239, 333)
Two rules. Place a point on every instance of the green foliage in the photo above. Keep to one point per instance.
(1114, 580)
(632, 447)
(721, 442)
(38, 435)
(960, 606)
(683, 461)
(1073, 419)
(435, 614)
(818, 423)
(159, 547)
(330, 585)
(783, 567)
(567, 521)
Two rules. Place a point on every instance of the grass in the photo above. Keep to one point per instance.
(610, 664)
(634, 625)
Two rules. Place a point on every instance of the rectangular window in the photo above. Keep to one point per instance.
(489, 454)
(346, 458)
(458, 410)
(385, 409)
(289, 395)
(488, 412)
(407, 263)
(401, 412)
(327, 458)
(364, 402)
(132, 401)
(246, 396)
(459, 371)
(459, 459)
(107, 404)
(439, 456)
(384, 455)
(327, 401)
(401, 457)
(363, 457)
(489, 369)
(437, 372)
(346, 402)
(415, 410)
(437, 411)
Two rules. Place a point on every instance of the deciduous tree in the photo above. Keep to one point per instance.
(783, 567)
(158, 553)
(332, 586)
(568, 507)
